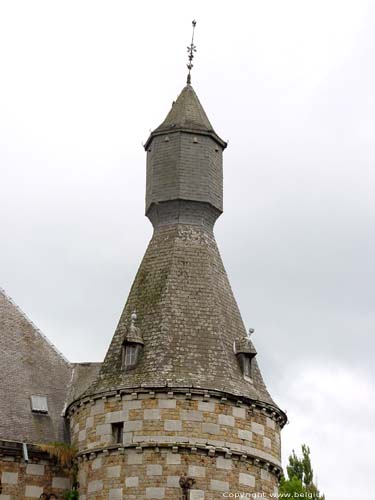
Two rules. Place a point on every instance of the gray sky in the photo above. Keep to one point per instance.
(291, 86)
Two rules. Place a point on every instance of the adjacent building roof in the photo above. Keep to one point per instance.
(30, 366)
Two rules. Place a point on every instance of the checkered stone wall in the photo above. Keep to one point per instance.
(224, 445)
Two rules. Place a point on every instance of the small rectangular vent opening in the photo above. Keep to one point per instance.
(118, 432)
(39, 404)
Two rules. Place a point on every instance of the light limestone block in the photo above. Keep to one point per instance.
(89, 422)
(132, 482)
(226, 420)
(82, 435)
(61, 483)
(192, 415)
(223, 463)
(247, 435)
(206, 406)
(96, 463)
(155, 493)
(209, 428)
(127, 437)
(246, 479)
(116, 416)
(265, 475)
(4, 497)
(172, 425)
(135, 458)
(173, 481)
(114, 471)
(257, 428)
(173, 458)
(96, 485)
(133, 425)
(9, 477)
(196, 495)
(35, 469)
(197, 471)
(154, 470)
(151, 414)
(97, 408)
(267, 442)
(239, 412)
(216, 485)
(115, 494)
(82, 477)
(134, 404)
(167, 403)
(103, 429)
(76, 428)
(270, 423)
(33, 491)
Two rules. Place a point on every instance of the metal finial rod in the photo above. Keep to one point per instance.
(191, 49)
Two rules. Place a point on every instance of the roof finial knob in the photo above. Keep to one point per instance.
(191, 49)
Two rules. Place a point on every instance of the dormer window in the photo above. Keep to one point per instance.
(39, 404)
(132, 345)
(130, 355)
(246, 365)
(245, 352)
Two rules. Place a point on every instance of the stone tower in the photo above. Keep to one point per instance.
(179, 408)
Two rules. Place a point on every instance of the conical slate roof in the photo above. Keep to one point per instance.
(187, 113)
(188, 317)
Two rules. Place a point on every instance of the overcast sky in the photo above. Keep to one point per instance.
(291, 85)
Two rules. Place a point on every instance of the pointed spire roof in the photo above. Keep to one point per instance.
(187, 114)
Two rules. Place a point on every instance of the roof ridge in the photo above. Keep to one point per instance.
(37, 330)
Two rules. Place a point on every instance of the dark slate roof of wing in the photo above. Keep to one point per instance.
(187, 114)
(30, 366)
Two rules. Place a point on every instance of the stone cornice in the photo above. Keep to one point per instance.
(269, 410)
(246, 454)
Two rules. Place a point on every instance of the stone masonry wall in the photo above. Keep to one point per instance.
(226, 446)
(21, 481)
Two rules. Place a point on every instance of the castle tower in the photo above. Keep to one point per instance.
(179, 408)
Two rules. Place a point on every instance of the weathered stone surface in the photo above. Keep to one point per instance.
(61, 483)
(196, 471)
(132, 482)
(155, 493)
(246, 479)
(32, 491)
(9, 477)
(219, 485)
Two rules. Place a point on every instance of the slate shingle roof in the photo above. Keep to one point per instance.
(187, 113)
(29, 365)
(188, 317)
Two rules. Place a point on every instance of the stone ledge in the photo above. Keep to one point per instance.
(272, 412)
(231, 451)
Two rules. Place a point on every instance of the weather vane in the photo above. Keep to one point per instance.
(191, 49)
